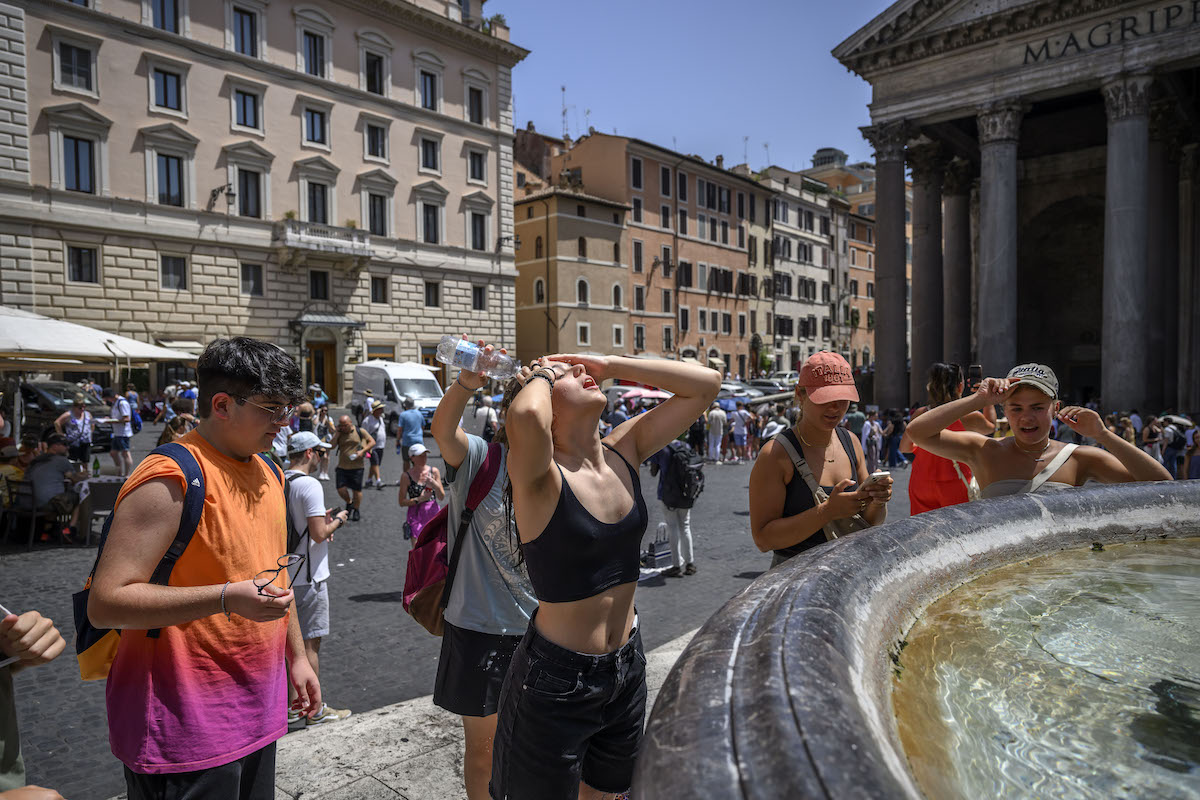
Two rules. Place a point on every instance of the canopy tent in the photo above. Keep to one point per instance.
(25, 335)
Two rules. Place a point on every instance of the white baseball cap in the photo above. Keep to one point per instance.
(416, 450)
(305, 440)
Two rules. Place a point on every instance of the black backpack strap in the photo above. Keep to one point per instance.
(844, 436)
(193, 507)
(275, 470)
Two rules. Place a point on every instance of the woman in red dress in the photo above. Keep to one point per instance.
(934, 482)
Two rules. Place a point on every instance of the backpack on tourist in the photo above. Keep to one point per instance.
(135, 420)
(697, 428)
(95, 648)
(429, 576)
(685, 477)
(294, 534)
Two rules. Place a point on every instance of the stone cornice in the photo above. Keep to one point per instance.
(420, 20)
(1000, 122)
(1127, 96)
(898, 42)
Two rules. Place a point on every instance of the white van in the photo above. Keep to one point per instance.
(391, 382)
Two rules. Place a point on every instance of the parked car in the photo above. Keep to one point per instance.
(788, 378)
(768, 385)
(42, 402)
(750, 390)
(391, 382)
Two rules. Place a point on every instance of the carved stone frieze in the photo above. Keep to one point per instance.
(888, 139)
(1127, 96)
(1000, 122)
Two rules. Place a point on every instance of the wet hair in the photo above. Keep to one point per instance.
(510, 522)
(943, 383)
(242, 367)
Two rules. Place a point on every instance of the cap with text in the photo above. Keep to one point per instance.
(1039, 376)
(827, 377)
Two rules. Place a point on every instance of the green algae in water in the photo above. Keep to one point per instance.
(1074, 675)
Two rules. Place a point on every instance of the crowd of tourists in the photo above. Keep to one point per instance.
(541, 654)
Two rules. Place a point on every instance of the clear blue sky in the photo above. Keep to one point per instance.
(696, 76)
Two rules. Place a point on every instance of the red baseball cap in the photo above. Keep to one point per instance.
(827, 377)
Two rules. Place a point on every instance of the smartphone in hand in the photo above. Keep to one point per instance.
(974, 376)
(875, 477)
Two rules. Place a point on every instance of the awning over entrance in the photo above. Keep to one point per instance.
(326, 319)
(25, 335)
(716, 363)
(188, 345)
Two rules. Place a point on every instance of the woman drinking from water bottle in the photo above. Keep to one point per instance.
(574, 701)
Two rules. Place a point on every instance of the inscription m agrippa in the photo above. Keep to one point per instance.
(1115, 31)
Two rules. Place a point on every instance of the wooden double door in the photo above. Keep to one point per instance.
(320, 366)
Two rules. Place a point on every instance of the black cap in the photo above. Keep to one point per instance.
(56, 438)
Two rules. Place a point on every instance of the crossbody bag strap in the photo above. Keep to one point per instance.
(1051, 468)
(480, 486)
(801, 465)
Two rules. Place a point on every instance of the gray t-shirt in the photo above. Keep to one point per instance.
(492, 592)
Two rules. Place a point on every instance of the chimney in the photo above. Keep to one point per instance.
(720, 162)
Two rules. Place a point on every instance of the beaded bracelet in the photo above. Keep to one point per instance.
(549, 381)
(224, 610)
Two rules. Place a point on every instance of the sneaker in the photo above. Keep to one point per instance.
(690, 569)
(354, 517)
(673, 572)
(324, 476)
(327, 714)
(294, 717)
(380, 485)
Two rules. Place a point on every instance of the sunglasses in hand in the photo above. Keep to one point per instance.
(265, 578)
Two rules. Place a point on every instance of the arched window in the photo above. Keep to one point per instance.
(581, 291)
(537, 247)
(617, 295)
(539, 288)
(866, 362)
(582, 247)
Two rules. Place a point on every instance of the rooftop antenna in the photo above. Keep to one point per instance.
(745, 150)
(566, 132)
(587, 118)
(674, 146)
(767, 147)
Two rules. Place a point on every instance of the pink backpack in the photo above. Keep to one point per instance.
(429, 576)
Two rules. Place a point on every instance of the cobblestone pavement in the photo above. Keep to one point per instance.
(376, 655)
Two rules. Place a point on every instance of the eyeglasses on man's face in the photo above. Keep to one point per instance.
(265, 578)
(278, 413)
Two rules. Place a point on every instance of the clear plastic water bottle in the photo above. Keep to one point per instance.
(465, 354)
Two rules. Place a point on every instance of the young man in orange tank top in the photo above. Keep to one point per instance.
(197, 709)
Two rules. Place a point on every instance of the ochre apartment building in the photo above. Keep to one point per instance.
(572, 289)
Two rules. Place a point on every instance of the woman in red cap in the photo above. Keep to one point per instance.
(804, 489)
(937, 482)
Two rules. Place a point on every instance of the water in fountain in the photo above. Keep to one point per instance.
(1071, 675)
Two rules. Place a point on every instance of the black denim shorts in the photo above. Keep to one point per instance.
(566, 717)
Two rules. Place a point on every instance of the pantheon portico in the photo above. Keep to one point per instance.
(1054, 157)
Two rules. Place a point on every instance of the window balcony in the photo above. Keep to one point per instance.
(295, 241)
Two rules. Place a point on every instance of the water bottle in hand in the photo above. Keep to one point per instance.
(471, 357)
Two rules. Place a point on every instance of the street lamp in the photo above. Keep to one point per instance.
(227, 190)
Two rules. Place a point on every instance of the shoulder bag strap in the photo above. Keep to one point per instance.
(972, 484)
(1051, 468)
(480, 486)
(801, 465)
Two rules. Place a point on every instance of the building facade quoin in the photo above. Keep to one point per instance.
(335, 177)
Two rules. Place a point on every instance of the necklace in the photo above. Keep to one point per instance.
(806, 443)
(1031, 455)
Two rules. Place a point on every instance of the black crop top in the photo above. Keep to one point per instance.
(800, 498)
(577, 556)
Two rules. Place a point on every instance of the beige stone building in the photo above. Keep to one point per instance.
(572, 292)
(333, 176)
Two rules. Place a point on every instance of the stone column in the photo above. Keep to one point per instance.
(1123, 341)
(890, 347)
(1189, 260)
(1162, 258)
(999, 130)
(956, 264)
(928, 165)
